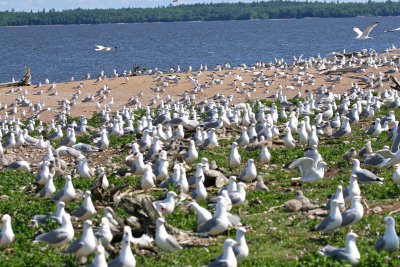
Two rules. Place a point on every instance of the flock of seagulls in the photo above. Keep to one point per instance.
(171, 133)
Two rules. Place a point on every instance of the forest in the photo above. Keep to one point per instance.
(202, 12)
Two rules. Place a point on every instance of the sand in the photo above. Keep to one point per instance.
(121, 89)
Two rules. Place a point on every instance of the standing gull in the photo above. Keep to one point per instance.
(219, 223)
(250, 173)
(85, 245)
(7, 235)
(332, 221)
(241, 251)
(67, 194)
(126, 257)
(349, 253)
(165, 241)
(227, 258)
(60, 236)
(86, 210)
(354, 213)
(365, 176)
(389, 241)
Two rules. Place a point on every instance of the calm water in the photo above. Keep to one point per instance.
(59, 52)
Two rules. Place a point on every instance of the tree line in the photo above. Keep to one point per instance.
(202, 12)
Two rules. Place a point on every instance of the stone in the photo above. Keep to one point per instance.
(215, 178)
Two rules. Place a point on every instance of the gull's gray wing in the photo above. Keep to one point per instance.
(305, 165)
(207, 226)
(58, 195)
(75, 246)
(324, 224)
(79, 212)
(53, 237)
(172, 241)
(370, 27)
(348, 216)
(116, 263)
(380, 244)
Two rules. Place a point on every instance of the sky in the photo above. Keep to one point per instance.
(35, 5)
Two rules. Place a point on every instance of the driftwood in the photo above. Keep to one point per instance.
(25, 81)
(145, 216)
(396, 82)
(339, 70)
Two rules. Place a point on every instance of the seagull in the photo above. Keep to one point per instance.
(234, 157)
(219, 223)
(104, 232)
(100, 258)
(60, 236)
(241, 251)
(353, 214)
(249, 173)
(332, 221)
(239, 196)
(104, 48)
(20, 165)
(86, 210)
(349, 253)
(48, 190)
(42, 219)
(365, 176)
(192, 154)
(307, 170)
(227, 258)
(389, 241)
(7, 235)
(85, 245)
(165, 241)
(167, 205)
(67, 194)
(200, 194)
(394, 30)
(202, 214)
(364, 35)
(125, 257)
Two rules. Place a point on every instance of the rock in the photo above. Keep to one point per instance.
(293, 205)
(215, 178)
(4, 197)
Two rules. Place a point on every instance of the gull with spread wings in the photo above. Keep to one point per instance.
(394, 30)
(364, 35)
(104, 48)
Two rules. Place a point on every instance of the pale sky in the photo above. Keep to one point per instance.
(35, 5)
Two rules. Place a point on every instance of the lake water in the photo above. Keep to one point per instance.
(59, 52)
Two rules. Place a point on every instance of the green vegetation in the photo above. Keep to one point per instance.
(275, 239)
(202, 12)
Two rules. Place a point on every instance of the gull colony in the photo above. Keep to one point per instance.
(169, 136)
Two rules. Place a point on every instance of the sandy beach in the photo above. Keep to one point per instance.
(122, 89)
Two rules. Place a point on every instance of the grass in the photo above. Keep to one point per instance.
(275, 239)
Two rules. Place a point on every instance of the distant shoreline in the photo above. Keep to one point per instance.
(271, 10)
(189, 21)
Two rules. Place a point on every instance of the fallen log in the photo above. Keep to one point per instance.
(141, 207)
(339, 70)
(396, 82)
(25, 81)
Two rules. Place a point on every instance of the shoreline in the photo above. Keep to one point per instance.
(190, 21)
(121, 89)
